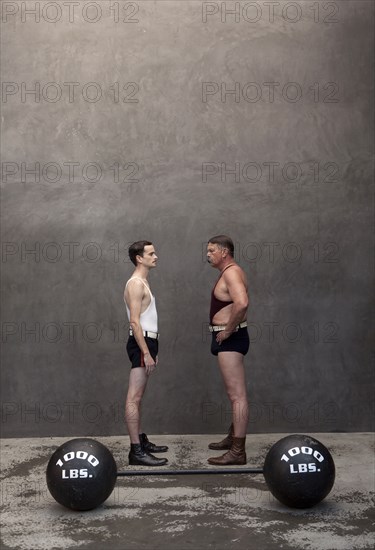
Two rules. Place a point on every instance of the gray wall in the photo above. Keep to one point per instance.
(282, 164)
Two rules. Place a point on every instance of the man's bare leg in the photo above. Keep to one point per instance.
(137, 385)
(233, 373)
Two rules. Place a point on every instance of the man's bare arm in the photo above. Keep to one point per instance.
(238, 294)
(135, 296)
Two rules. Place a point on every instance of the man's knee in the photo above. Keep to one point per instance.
(134, 398)
(238, 395)
(132, 409)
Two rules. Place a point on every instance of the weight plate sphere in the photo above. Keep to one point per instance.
(299, 471)
(81, 474)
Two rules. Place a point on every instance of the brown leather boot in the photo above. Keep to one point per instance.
(226, 443)
(236, 454)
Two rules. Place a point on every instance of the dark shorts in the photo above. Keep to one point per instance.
(238, 341)
(135, 354)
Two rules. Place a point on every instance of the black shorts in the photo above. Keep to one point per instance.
(238, 341)
(135, 354)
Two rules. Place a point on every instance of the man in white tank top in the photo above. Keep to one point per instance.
(142, 348)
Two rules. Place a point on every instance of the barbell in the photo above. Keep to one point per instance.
(298, 470)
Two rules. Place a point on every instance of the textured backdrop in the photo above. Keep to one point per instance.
(174, 121)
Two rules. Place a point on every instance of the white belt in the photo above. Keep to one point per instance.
(217, 328)
(147, 333)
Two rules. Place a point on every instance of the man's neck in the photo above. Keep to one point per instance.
(225, 263)
(141, 272)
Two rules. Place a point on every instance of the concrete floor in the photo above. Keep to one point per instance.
(189, 512)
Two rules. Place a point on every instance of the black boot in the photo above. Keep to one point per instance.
(139, 457)
(151, 447)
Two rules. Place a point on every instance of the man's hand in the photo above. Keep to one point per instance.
(149, 363)
(222, 335)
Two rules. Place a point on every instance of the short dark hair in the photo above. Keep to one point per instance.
(224, 242)
(137, 249)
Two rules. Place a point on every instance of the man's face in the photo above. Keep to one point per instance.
(214, 254)
(149, 257)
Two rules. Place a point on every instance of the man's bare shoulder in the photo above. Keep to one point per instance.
(135, 281)
(135, 286)
(234, 273)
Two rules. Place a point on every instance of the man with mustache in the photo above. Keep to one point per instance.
(230, 343)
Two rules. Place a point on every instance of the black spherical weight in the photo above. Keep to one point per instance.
(299, 471)
(81, 474)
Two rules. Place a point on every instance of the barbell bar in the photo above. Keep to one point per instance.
(204, 471)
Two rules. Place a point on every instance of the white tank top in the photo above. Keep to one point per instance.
(149, 318)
